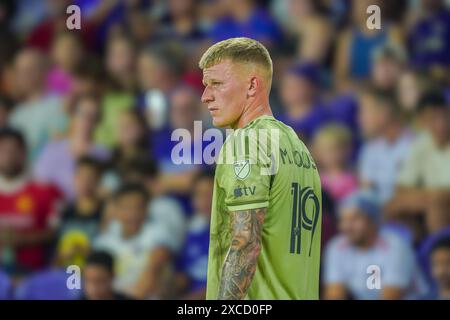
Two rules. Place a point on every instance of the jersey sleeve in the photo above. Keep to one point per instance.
(246, 181)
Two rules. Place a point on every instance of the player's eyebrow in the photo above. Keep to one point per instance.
(210, 81)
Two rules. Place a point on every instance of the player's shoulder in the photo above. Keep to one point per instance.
(265, 122)
(269, 126)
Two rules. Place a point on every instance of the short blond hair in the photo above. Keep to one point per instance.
(335, 132)
(239, 50)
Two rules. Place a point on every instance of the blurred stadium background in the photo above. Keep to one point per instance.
(86, 176)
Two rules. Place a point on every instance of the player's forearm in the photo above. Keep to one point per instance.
(240, 264)
(237, 274)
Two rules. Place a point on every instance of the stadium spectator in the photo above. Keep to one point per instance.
(132, 138)
(119, 96)
(243, 18)
(80, 219)
(113, 17)
(31, 114)
(181, 24)
(88, 78)
(300, 98)
(56, 163)
(428, 38)
(66, 55)
(27, 209)
(142, 251)
(388, 63)
(54, 21)
(410, 87)
(98, 278)
(311, 25)
(356, 44)
(184, 110)
(140, 25)
(362, 245)
(190, 280)
(162, 207)
(332, 150)
(158, 72)
(388, 142)
(424, 180)
(208, 13)
(440, 268)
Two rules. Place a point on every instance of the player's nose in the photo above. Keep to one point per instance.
(207, 96)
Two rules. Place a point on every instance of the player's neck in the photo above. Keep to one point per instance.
(253, 112)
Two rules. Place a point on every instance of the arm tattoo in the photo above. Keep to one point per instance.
(240, 263)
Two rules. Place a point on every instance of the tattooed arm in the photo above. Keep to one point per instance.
(240, 263)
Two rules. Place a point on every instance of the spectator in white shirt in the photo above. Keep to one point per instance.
(388, 143)
(423, 185)
(142, 251)
(364, 262)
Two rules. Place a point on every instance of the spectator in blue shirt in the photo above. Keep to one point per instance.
(352, 258)
(429, 38)
(190, 282)
(356, 44)
(440, 268)
(245, 19)
(299, 92)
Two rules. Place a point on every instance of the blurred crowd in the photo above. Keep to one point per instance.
(86, 116)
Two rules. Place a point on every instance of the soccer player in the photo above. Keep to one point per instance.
(266, 212)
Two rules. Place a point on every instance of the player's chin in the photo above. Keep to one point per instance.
(218, 122)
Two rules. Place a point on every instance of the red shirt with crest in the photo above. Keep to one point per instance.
(28, 207)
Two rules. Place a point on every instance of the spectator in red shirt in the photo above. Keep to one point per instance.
(26, 208)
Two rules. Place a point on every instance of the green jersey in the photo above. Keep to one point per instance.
(279, 175)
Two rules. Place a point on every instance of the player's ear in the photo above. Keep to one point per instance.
(253, 86)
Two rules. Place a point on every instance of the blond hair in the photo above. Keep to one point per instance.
(239, 50)
(334, 132)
